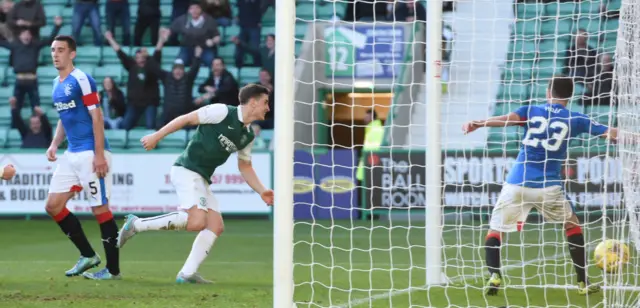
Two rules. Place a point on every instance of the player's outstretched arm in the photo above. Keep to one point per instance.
(499, 121)
(249, 175)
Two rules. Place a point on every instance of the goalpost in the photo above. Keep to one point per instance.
(411, 233)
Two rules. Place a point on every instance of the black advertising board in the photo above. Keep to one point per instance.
(474, 179)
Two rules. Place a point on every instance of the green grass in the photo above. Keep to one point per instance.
(336, 267)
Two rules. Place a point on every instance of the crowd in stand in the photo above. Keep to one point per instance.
(195, 28)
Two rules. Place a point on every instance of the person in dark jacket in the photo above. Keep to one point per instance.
(119, 10)
(24, 56)
(113, 105)
(82, 10)
(249, 20)
(143, 92)
(266, 81)
(38, 134)
(27, 15)
(5, 29)
(196, 29)
(220, 87)
(580, 59)
(148, 17)
(266, 54)
(178, 86)
(600, 91)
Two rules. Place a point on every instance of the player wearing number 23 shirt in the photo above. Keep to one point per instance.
(535, 179)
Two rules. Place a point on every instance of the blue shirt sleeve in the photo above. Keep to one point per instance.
(523, 112)
(591, 126)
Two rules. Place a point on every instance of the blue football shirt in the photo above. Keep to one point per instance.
(73, 97)
(547, 132)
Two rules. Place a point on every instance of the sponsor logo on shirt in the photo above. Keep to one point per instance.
(65, 106)
(227, 144)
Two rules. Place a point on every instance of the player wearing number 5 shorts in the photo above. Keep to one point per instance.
(85, 164)
(222, 130)
(535, 179)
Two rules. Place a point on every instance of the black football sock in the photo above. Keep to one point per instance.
(492, 253)
(109, 233)
(576, 250)
(70, 225)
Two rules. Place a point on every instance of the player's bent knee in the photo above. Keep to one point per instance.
(101, 209)
(217, 229)
(56, 202)
(195, 225)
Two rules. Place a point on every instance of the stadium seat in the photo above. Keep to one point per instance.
(545, 69)
(111, 70)
(557, 28)
(226, 52)
(89, 55)
(518, 70)
(3, 136)
(553, 48)
(527, 30)
(590, 24)
(269, 17)
(601, 113)
(557, 9)
(14, 139)
(590, 7)
(203, 74)
(4, 56)
(109, 56)
(505, 108)
(5, 93)
(528, 10)
(248, 75)
(134, 136)
(46, 90)
(169, 54)
(46, 74)
(176, 140)
(522, 50)
(267, 134)
(518, 92)
(5, 116)
(301, 30)
(117, 138)
(230, 32)
(304, 10)
(539, 90)
(504, 136)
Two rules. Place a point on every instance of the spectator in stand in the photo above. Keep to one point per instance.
(267, 82)
(24, 58)
(119, 10)
(365, 10)
(258, 141)
(266, 53)
(220, 87)
(82, 10)
(148, 17)
(113, 104)
(178, 98)
(5, 31)
(600, 91)
(196, 29)
(220, 10)
(38, 135)
(409, 11)
(249, 20)
(27, 15)
(143, 92)
(580, 59)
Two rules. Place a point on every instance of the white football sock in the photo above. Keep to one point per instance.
(172, 221)
(199, 251)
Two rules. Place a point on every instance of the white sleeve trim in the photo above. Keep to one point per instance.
(245, 154)
(212, 114)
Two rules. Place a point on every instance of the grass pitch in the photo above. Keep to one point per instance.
(344, 266)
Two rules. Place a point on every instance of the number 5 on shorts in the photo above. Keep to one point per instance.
(93, 188)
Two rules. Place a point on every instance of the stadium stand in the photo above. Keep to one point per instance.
(103, 61)
(540, 37)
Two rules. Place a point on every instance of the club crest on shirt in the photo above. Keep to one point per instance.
(67, 89)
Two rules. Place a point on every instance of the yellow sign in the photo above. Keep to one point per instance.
(302, 185)
(337, 185)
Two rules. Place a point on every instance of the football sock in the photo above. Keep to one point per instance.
(109, 233)
(492, 253)
(576, 249)
(172, 221)
(199, 251)
(70, 225)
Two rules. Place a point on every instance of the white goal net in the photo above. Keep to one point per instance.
(391, 202)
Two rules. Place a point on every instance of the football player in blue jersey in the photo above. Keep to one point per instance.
(535, 179)
(85, 164)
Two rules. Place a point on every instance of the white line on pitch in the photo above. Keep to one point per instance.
(457, 279)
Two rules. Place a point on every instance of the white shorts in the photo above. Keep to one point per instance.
(515, 203)
(192, 190)
(74, 173)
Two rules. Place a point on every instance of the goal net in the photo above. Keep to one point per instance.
(391, 201)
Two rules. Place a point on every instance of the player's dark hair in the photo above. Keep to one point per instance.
(71, 43)
(251, 91)
(561, 87)
(373, 113)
